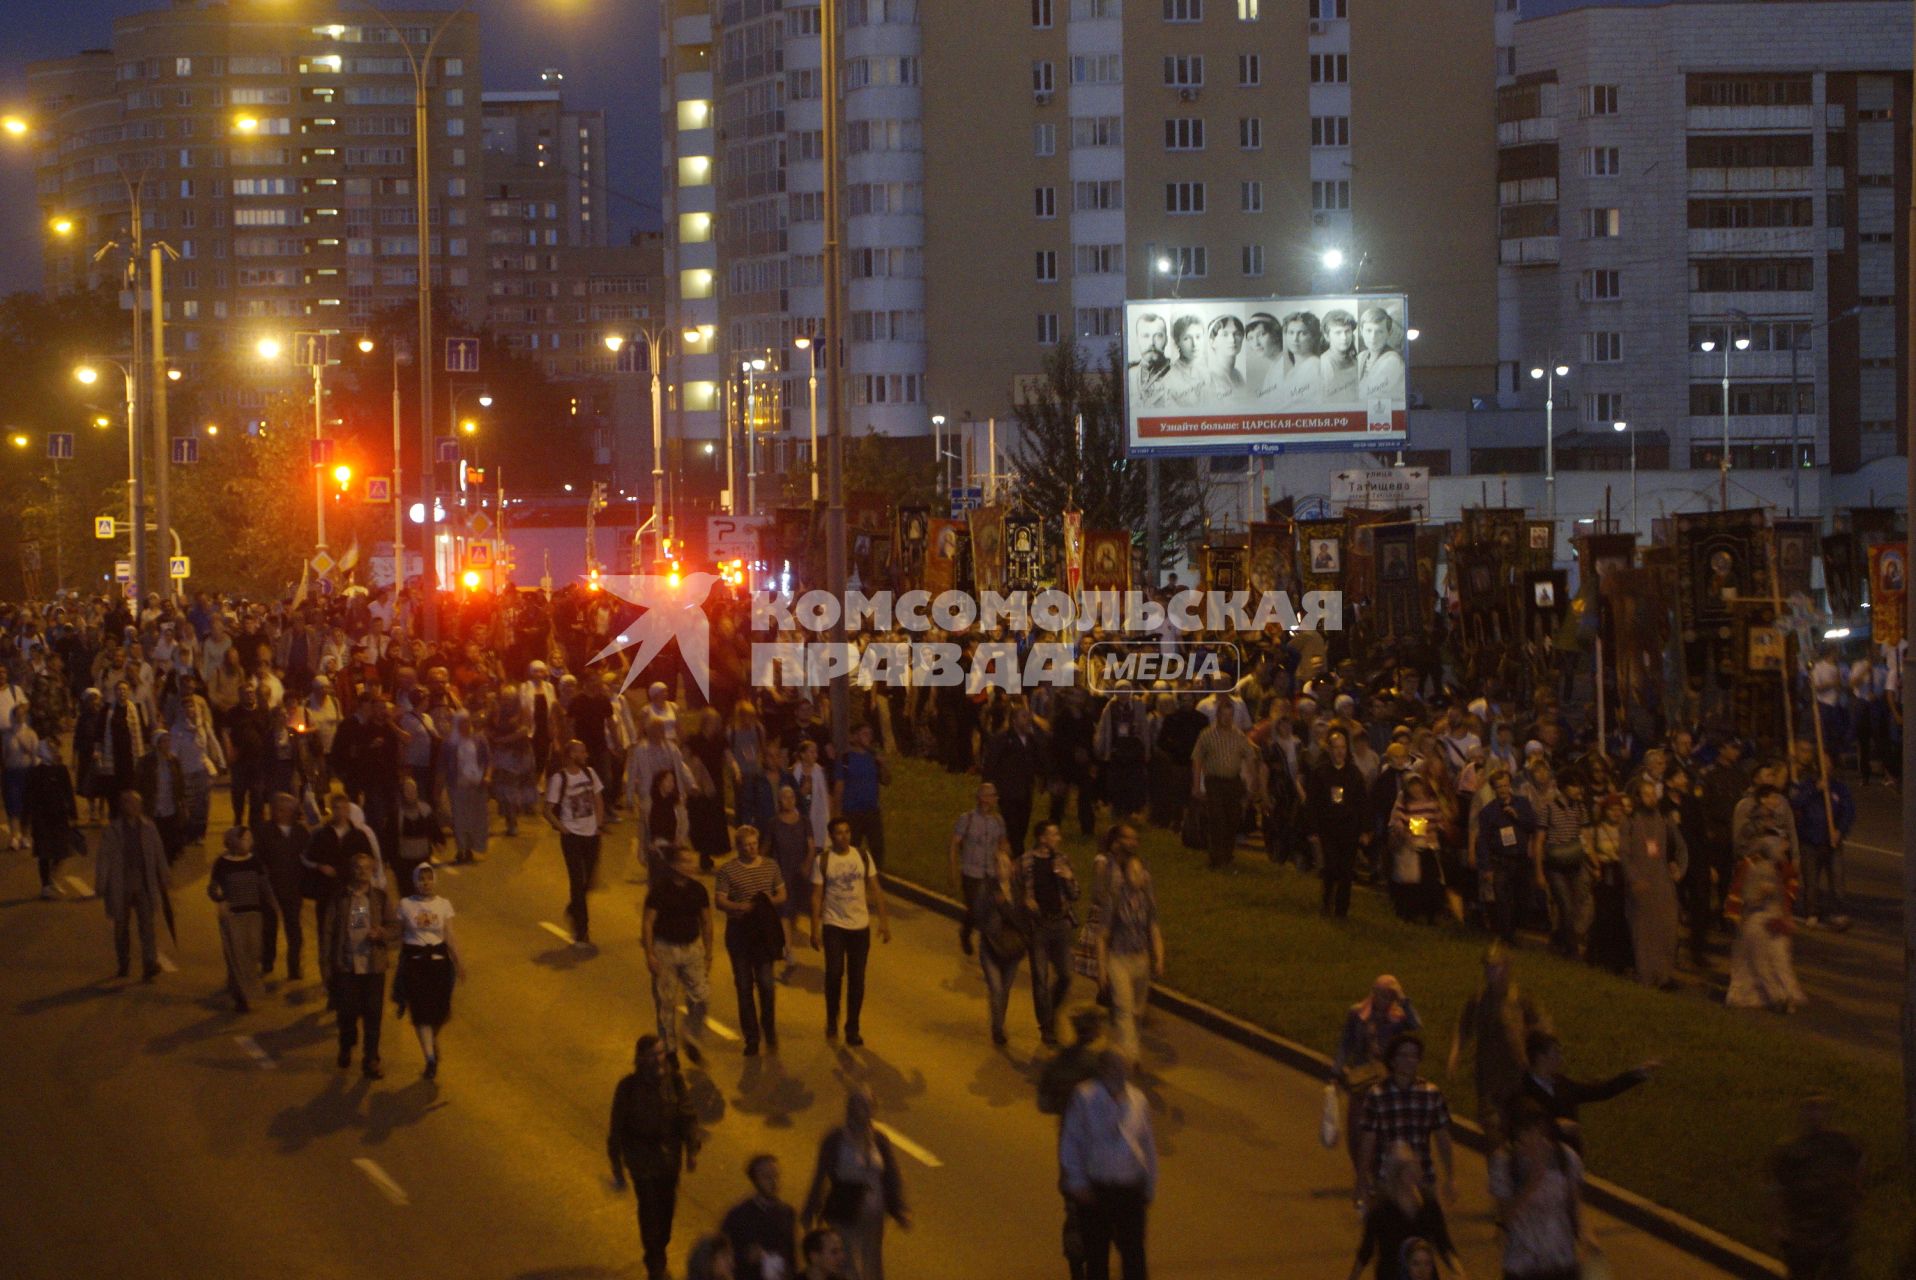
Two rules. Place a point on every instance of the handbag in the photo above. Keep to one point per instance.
(1191, 831)
(1327, 1123)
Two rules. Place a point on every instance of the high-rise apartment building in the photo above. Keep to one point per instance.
(534, 141)
(1690, 174)
(1015, 171)
(272, 148)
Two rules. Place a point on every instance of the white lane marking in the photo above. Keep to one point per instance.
(553, 929)
(1873, 848)
(909, 1147)
(257, 1054)
(381, 1179)
(80, 886)
(722, 1031)
(166, 963)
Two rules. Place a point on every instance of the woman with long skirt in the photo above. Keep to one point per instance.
(239, 884)
(1762, 969)
(466, 770)
(429, 962)
(1654, 858)
(1608, 946)
(51, 811)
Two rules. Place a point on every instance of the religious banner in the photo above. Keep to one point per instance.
(1597, 555)
(871, 560)
(1399, 602)
(868, 512)
(1540, 545)
(1024, 552)
(1321, 562)
(1224, 569)
(1795, 549)
(1720, 557)
(1639, 630)
(1073, 552)
(1500, 527)
(913, 527)
(1841, 579)
(1546, 595)
(1430, 548)
(1360, 579)
(1273, 560)
(988, 548)
(941, 554)
(1888, 591)
(1107, 560)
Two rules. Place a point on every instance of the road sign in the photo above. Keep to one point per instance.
(321, 452)
(1315, 507)
(179, 566)
(103, 527)
(448, 450)
(60, 445)
(479, 522)
(309, 349)
(462, 355)
(123, 571)
(186, 450)
(734, 537)
(478, 555)
(1382, 489)
(966, 499)
(379, 489)
(322, 564)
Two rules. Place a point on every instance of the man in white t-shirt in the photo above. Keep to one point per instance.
(575, 806)
(845, 892)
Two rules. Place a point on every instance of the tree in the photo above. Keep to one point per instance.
(1059, 466)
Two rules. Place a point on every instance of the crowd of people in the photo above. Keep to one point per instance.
(359, 754)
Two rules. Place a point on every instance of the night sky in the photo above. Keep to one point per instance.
(608, 50)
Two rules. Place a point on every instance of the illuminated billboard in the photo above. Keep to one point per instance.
(1261, 375)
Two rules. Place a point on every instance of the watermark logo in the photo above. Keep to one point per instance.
(1127, 666)
(674, 607)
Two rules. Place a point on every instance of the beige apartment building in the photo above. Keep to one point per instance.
(1016, 170)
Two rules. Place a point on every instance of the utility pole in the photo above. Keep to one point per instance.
(162, 440)
(1909, 758)
(834, 364)
(135, 444)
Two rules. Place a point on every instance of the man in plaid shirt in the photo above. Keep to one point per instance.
(1407, 1109)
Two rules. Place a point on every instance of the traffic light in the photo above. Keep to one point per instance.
(592, 579)
(343, 477)
(471, 579)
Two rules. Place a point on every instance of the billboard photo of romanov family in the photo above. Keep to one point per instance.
(1256, 375)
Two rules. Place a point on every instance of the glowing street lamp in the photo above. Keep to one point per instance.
(61, 226)
(1333, 259)
(15, 126)
(267, 348)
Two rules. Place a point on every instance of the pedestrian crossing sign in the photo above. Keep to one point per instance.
(103, 527)
(379, 489)
(179, 566)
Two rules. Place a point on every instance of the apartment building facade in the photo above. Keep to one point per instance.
(1015, 171)
(1709, 173)
(274, 154)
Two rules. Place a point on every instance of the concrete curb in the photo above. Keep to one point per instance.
(1665, 1224)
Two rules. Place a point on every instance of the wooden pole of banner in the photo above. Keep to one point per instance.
(1789, 703)
(1602, 737)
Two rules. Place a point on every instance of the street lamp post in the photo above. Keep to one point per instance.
(806, 345)
(1153, 504)
(939, 456)
(751, 369)
(1740, 344)
(654, 336)
(1550, 374)
(87, 375)
(1636, 525)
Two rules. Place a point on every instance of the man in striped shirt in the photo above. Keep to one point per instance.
(749, 890)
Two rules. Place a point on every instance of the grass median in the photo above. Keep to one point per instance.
(1695, 1139)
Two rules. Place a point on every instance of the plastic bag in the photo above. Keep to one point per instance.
(1327, 1126)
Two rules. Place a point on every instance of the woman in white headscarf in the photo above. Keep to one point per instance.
(465, 766)
(429, 962)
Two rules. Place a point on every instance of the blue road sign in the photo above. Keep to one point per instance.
(60, 445)
(448, 449)
(462, 355)
(186, 450)
(966, 499)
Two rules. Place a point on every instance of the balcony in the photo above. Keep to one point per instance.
(1512, 133)
(1724, 181)
(1528, 251)
(1754, 240)
(1753, 119)
(1527, 191)
(1772, 303)
(1751, 366)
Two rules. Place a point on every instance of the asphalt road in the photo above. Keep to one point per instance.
(151, 1132)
